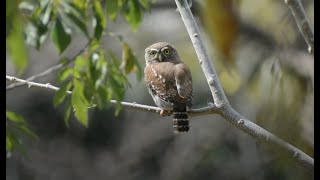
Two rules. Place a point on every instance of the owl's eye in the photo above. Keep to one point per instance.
(167, 51)
(152, 53)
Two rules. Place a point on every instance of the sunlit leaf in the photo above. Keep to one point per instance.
(79, 102)
(81, 114)
(60, 36)
(79, 63)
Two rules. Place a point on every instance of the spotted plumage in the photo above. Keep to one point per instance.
(169, 82)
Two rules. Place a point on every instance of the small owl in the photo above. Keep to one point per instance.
(169, 82)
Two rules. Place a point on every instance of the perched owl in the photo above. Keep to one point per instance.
(169, 82)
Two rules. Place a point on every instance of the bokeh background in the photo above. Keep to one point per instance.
(263, 65)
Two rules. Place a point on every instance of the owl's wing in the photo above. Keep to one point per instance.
(183, 81)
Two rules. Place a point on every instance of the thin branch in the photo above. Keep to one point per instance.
(50, 70)
(303, 22)
(220, 99)
(210, 109)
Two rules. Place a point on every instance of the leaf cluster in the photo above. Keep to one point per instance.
(94, 77)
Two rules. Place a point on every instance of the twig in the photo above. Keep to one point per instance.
(48, 71)
(210, 109)
(221, 102)
(302, 21)
(30, 83)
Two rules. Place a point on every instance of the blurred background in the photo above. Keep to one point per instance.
(262, 62)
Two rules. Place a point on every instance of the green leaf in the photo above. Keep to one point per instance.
(99, 19)
(112, 8)
(78, 23)
(133, 14)
(79, 102)
(130, 62)
(9, 142)
(27, 131)
(36, 33)
(145, 3)
(14, 141)
(79, 63)
(60, 36)
(46, 13)
(67, 114)
(65, 73)
(15, 117)
(16, 122)
(80, 5)
(81, 114)
(61, 94)
(102, 76)
(16, 45)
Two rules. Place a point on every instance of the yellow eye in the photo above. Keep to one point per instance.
(152, 53)
(167, 51)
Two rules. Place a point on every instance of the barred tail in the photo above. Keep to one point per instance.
(180, 121)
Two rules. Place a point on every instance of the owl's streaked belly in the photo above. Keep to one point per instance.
(159, 102)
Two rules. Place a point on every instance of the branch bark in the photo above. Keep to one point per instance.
(302, 21)
(210, 109)
(220, 100)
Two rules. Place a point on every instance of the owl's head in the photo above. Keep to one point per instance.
(161, 52)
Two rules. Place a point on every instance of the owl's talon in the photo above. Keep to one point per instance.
(164, 112)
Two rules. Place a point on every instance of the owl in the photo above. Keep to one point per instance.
(169, 82)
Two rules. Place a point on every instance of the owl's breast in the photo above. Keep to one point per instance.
(160, 80)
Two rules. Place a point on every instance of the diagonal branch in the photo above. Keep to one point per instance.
(210, 109)
(302, 21)
(220, 99)
(50, 70)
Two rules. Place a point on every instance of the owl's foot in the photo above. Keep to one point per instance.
(165, 112)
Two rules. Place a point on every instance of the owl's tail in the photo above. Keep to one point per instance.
(180, 120)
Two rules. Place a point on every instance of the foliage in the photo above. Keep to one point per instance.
(16, 128)
(94, 77)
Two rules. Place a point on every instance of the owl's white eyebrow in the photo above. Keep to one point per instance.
(154, 50)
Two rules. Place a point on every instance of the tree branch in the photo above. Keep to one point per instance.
(302, 21)
(48, 71)
(210, 109)
(220, 99)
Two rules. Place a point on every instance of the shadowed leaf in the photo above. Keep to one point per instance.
(112, 8)
(133, 14)
(61, 94)
(100, 19)
(16, 45)
(60, 36)
(129, 61)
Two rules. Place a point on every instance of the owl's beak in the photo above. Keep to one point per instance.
(160, 56)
